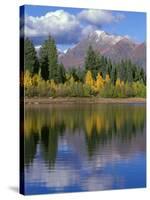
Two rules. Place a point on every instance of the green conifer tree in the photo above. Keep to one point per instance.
(49, 60)
(30, 59)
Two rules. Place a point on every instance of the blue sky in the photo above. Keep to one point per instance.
(69, 25)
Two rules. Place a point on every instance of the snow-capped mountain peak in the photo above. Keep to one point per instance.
(100, 33)
(102, 36)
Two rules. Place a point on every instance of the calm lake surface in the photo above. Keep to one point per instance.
(84, 147)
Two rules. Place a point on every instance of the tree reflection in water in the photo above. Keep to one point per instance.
(100, 124)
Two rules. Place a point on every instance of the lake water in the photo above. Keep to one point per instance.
(71, 148)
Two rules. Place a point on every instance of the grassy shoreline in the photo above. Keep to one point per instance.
(81, 100)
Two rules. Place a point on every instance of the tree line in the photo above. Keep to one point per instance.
(99, 76)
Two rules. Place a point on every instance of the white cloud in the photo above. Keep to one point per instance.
(55, 23)
(99, 17)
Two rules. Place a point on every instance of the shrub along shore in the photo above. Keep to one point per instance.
(36, 86)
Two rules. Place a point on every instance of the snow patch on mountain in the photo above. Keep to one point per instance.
(105, 37)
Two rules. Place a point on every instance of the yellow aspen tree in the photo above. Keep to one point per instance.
(118, 88)
(27, 79)
(107, 79)
(36, 79)
(99, 82)
(118, 82)
(89, 79)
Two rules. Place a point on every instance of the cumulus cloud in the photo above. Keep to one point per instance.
(66, 27)
(99, 17)
(58, 23)
(54, 22)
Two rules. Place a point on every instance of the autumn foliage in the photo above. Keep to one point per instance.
(36, 86)
(98, 77)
